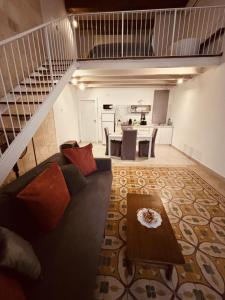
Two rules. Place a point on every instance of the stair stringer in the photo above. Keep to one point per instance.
(12, 154)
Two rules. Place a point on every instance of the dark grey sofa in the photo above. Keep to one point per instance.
(68, 254)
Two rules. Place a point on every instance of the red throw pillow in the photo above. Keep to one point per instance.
(82, 158)
(47, 197)
(10, 289)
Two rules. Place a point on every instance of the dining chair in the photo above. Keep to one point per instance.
(115, 145)
(126, 127)
(128, 148)
(143, 146)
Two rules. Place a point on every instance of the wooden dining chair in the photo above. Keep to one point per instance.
(143, 146)
(128, 149)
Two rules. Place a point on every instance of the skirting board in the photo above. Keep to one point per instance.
(220, 177)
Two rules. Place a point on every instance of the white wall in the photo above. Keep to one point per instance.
(198, 112)
(66, 115)
(52, 9)
(119, 97)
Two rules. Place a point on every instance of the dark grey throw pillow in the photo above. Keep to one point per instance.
(74, 179)
(17, 254)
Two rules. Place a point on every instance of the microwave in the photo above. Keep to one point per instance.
(107, 106)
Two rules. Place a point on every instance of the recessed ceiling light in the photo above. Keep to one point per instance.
(75, 23)
(180, 81)
(74, 81)
(81, 86)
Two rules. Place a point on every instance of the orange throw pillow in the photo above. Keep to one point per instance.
(10, 289)
(82, 158)
(47, 197)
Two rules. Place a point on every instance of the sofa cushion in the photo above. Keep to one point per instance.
(17, 254)
(69, 254)
(74, 179)
(46, 197)
(82, 158)
(10, 289)
(13, 188)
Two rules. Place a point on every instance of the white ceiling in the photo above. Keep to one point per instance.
(154, 77)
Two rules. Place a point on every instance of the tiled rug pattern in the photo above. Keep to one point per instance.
(197, 215)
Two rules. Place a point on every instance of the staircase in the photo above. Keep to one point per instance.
(34, 68)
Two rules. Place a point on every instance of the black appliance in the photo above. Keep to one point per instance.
(107, 106)
(143, 121)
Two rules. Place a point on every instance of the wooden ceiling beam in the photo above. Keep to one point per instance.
(134, 77)
(111, 85)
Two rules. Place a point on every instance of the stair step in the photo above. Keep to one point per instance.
(56, 65)
(19, 109)
(44, 77)
(55, 72)
(17, 122)
(21, 103)
(37, 84)
(38, 74)
(56, 68)
(22, 98)
(38, 81)
(58, 60)
(29, 93)
(10, 130)
(24, 89)
(21, 116)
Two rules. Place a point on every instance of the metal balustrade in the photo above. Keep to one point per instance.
(179, 32)
(31, 65)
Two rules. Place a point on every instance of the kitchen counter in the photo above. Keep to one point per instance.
(164, 135)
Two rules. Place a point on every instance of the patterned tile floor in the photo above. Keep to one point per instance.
(197, 215)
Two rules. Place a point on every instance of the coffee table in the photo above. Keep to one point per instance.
(157, 246)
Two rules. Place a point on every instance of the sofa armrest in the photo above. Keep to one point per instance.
(104, 164)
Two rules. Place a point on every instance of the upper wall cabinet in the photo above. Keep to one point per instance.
(140, 108)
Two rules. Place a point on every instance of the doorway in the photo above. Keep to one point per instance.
(88, 120)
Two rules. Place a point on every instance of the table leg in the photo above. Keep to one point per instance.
(169, 272)
(150, 148)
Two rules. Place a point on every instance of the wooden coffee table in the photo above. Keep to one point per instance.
(157, 246)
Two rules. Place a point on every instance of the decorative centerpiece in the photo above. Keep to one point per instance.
(149, 217)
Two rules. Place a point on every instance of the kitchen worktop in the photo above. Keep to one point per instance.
(147, 126)
(164, 134)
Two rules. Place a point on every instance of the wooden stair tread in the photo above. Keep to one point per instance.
(29, 93)
(21, 103)
(10, 130)
(38, 84)
(15, 115)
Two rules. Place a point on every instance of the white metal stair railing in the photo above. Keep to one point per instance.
(176, 32)
(34, 68)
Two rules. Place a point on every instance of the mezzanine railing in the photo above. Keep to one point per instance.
(179, 32)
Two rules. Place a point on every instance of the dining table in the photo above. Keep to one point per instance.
(141, 136)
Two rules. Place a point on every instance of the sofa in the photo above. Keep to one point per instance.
(68, 254)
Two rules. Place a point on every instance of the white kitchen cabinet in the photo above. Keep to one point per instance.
(164, 135)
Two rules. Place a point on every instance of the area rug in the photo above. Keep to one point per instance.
(197, 214)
